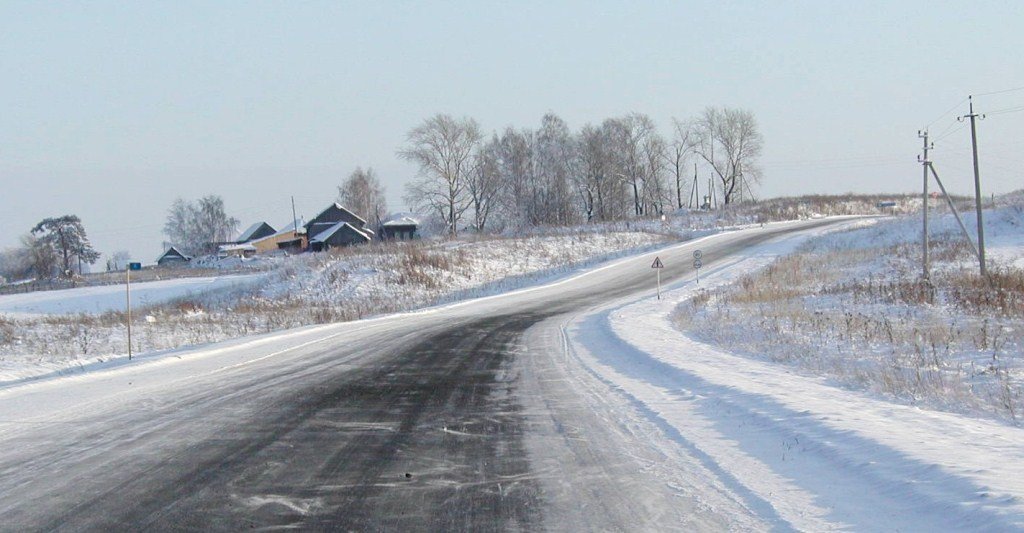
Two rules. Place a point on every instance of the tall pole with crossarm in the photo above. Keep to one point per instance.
(977, 186)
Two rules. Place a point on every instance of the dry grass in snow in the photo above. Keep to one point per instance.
(854, 306)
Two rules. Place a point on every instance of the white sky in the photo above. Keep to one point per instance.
(112, 110)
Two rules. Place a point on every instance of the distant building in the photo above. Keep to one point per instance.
(288, 239)
(336, 226)
(173, 257)
(403, 229)
(256, 231)
(340, 234)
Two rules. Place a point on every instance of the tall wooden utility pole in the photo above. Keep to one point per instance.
(924, 203)
(977, 186)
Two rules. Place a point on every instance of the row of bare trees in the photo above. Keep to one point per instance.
(621, 168)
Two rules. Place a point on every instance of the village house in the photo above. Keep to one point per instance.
(403, 229)
(337, 226)
(173, 257)
(256, 231)
(288, 239)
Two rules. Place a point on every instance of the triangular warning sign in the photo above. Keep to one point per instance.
(657, 263)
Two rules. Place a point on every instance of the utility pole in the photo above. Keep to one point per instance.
(694, 192)
(924, 199)
(977, 185)
(295, 218)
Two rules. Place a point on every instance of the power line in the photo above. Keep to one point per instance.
(950, 110)
(1006, 110)
(999, 92)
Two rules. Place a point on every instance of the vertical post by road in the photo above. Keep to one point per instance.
(924, 200)
(128, 301)
(977, 186)
(658, 270)
(295, 219)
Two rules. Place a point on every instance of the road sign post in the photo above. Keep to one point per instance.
(657, 266)
(128, 300)
(697, 263)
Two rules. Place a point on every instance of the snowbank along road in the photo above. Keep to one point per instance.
(475, 416)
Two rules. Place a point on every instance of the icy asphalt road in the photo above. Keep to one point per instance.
(453, 418)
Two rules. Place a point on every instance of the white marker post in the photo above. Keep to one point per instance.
(128, 300)
(657, 266)
(697, 263)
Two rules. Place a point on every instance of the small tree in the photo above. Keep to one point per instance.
(364, 195)
(444, 148)
(66, 236)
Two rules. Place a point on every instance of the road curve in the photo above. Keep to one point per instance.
(450, 419)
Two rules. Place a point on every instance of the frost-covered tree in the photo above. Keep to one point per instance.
(65, 235)
(16, 263)
(683, 145)
(362, 193)
(730, 144)
(198, 227)
(444, 149)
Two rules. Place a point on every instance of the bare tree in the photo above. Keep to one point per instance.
(684, 143)
(485, 184)
(444, 148)
(730, 143)
(513, 152)
(634, 135)
(66, 236)
(197, 227)
(364, 195)
(554, 155)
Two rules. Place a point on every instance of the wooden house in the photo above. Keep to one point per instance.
(332, 215)
(288, 239)
(402, 229)
(340, 234)
(256, 231)
(173, 257)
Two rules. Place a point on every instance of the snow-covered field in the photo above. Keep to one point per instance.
(852, 306)
(55, 331)
(105, 298)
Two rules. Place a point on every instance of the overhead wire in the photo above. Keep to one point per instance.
(1014, 89)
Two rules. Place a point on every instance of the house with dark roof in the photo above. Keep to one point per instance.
(173, 257)
(337, 226)
(256, 231)
(340, 234)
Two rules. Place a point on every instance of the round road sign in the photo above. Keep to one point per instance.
(697, 263)
(697, 254)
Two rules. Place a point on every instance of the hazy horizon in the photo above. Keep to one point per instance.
(112, 111)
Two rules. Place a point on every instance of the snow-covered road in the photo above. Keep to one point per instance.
(572, 406)
(799, 451)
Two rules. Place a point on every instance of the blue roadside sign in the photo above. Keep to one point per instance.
(134, 266)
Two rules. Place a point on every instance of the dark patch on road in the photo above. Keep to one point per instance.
(429, 440)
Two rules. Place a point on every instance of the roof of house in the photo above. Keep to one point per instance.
(286, 230)
(336, 205)
(248, 234)
(173, 251)
(327, 233)
(403, 221)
